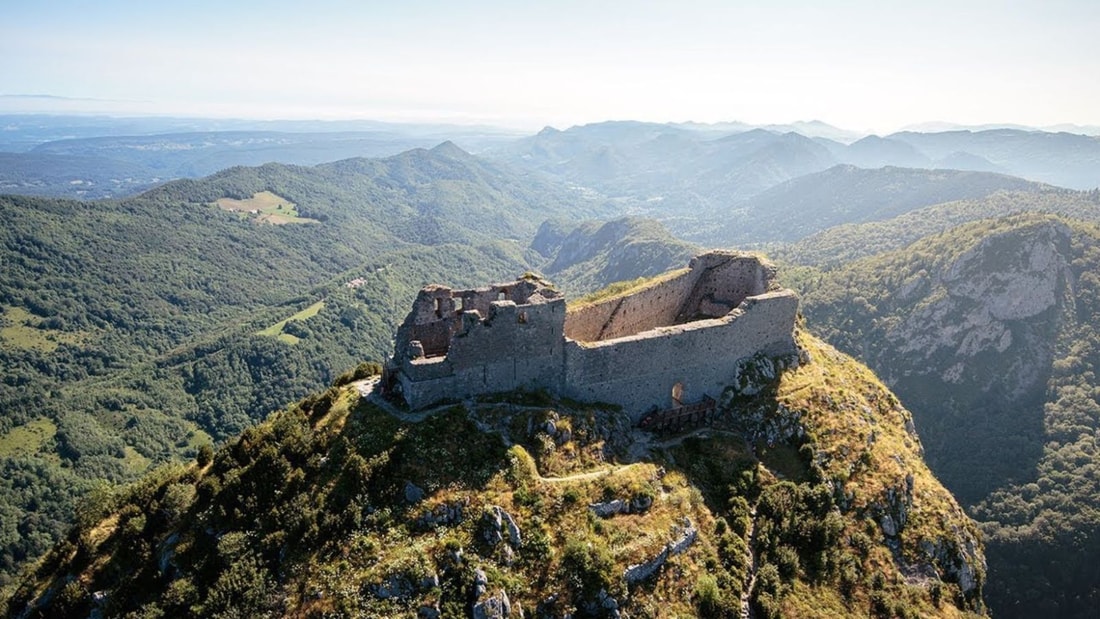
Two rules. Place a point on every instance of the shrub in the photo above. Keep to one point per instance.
(205, 455)
(708, 598)
(587, 567)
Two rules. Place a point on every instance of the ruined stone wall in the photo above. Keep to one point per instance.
(432, 322)
(513, 347)
(629, 350)
(724, 282)
(651, 307)
(437, 313)
(639, 371)
(481, 299)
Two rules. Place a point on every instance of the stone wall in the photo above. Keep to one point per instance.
(689, 329)
(639, 371)
(724, 282)
(713, 284)
(514, 346)
(651, 307)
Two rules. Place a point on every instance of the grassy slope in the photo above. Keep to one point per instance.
(306, 514)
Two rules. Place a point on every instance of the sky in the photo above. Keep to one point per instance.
(862, 65)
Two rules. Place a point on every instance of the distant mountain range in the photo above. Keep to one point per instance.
(694, 178)
(936, 127)
(97, 157)
(668, 171)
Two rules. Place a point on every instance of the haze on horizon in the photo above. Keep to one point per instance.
(861, 65)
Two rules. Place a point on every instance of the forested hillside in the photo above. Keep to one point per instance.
(846, 242)
(67, 176)
(590, 255)
(988, 332)
(843, 195)
(135, 331)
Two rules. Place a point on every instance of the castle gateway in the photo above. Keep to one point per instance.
(674, 340)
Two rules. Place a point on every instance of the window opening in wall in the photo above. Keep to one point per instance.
(502, 296)
(439, 307)
(523, 318)
(458, 304)
(677, 394)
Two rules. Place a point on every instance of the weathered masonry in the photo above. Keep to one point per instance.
(672, 342)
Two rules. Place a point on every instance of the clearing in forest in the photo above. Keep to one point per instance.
(276, 330)
(28, 438)
(265, 207)
(22, 329)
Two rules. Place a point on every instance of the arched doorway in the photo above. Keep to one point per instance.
(677, 395)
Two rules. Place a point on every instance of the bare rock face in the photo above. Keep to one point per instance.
(990, 301)
(485, 606)
(496, 524)
(1011, 283)
(958, 559)
(413, 493)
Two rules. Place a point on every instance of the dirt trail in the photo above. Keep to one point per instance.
(590, 475)
(750, 578)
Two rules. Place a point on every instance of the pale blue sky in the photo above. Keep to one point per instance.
(859, 64)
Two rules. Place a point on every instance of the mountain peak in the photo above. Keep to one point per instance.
(474, 513)
(449, 149)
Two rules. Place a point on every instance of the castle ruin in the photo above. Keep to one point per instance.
(675, 340)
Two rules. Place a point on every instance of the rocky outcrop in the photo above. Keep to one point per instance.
(403, 586)
(754, 374)
(413, 493)
(496, 523)
(983, 303)
(637, 573)
(444, 514)
(958, 559)
(485, 606)
(604, 606)
(892, 512)
(637, 505)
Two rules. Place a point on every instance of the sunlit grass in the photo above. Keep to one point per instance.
(20, 329)
(622, 289)
(265, 207)
(276, 330)
(27, 439)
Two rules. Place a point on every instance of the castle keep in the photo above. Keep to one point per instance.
(672, 342)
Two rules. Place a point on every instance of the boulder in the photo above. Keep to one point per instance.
(413, 493)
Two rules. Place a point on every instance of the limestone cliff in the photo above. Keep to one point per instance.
(988, 334)
(999, 298)
(971, 324)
